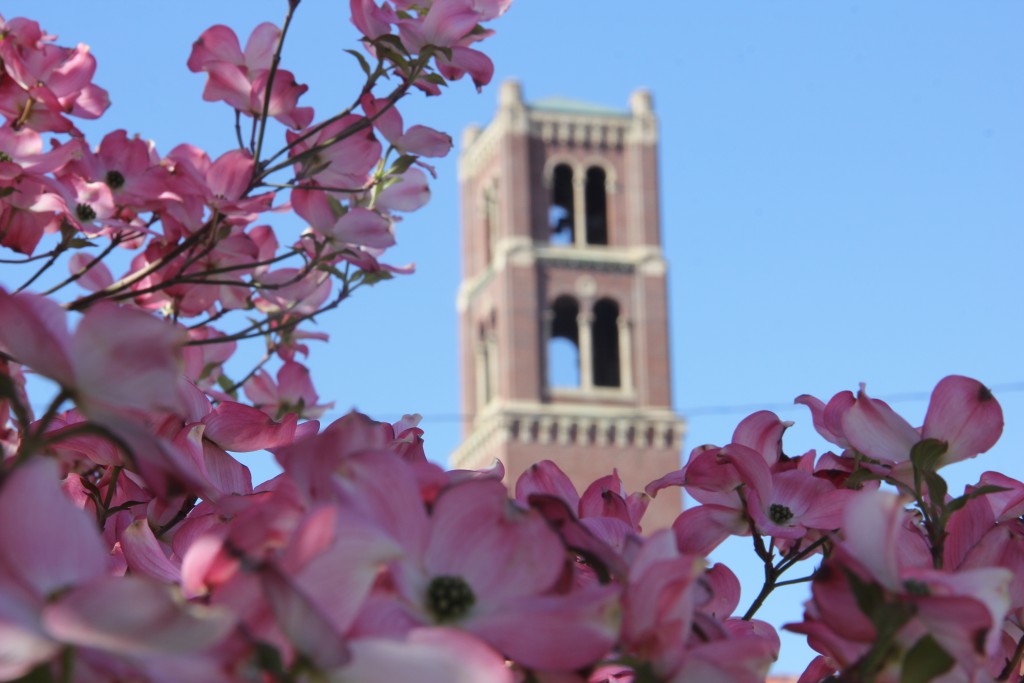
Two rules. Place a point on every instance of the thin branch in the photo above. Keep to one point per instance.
(790, 582)
(238, 130)
(133, 277)
(27, 259)
(274, 63)
(235, 386)
(60, 249)
(114, 242)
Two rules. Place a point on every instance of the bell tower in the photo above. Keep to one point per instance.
(562, 307)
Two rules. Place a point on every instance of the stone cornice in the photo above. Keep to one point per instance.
(568, 424)
(520, 251)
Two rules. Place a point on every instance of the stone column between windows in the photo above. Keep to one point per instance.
(579, 209)
(625, 354)
(584, 322)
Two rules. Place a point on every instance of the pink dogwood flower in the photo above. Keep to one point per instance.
(118, 360)
(240, 79)
(962, 414)
(338, 156)
(56, 589)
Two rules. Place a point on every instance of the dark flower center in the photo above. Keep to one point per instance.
(780, 514)
(449, 598)
(85, 212)
(115, 180)
(916, 588)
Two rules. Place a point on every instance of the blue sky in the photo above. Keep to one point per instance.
(841, 193)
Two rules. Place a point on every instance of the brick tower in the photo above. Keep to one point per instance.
(562, 306)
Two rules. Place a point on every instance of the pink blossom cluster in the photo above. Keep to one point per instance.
(134, 544)
(913, 583)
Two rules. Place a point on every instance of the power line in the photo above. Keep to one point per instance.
(730, 409)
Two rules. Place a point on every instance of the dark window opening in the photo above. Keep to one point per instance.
(560, 213)
(606, 343)
(486, 389)
(597, 206)
(563, 344)
(490, 199)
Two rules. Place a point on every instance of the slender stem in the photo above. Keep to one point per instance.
(255, 330)
(130, 279)
(27, 259)
(238, 129)
(114, 242)
(324, 188)
(364, 122)
(313, 130)
(58, 250)
(235, 386)
(274, 63)
(790, 582)
(186, 507)
(67, 664)
(37, 437)
(773, 572)
(1013, 665)
(766, 590)
(788, 562)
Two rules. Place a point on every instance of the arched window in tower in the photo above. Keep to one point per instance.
(606, 344)
(560, 212)
(484, 389)
(597, 206)
(563, 344)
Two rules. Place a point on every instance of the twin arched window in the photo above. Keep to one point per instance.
(578, 213)
(584, 350)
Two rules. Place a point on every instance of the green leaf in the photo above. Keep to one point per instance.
(925, 454)
(372, 278)
(925, 661)
(402, 164)
(937, 488)
(958, 503)
(859, 476)
(868, 595)
(6, 191)
(363, 64)
(436, 79)
(40, 674)
(9, 391)
(227, 385)
(269, 659)
(333, 270)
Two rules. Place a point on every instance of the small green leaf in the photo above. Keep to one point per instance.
(402, 164)
(859, 476)
(925, 662)
(330, 268)
(925, 454)
(80, 243)
(372, 278)
(268, 659)
(436, 79)
(937, 488)
(6, 191)
(868, 595)
(363, 64)
(958, 503)
(40, 674)
(227, 385)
